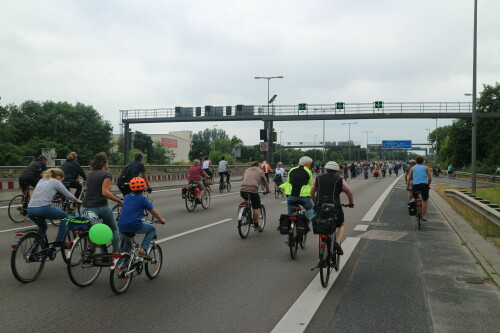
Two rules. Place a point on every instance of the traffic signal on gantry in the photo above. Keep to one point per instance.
(378, 105)
(302, 106)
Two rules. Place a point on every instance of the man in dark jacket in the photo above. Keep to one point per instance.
(32, 174)
(72, 170)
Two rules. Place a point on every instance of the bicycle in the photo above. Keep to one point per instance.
(297, 230)
(66, 205)
(191, 197)
(18, 207)
(278, 192)
(419, 203)
(224, 185)
(31, 251)
(117, 208)
(127, 265)
(85, 259)
(245, 217)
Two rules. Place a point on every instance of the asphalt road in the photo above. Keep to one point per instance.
(211, 280)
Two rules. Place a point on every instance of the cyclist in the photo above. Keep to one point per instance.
(298, 186)
(40, 208)
(224, 169)
(72, 170)
(450, 170)
(280, 174)
(207, 165)
(327, 189)
(421, 176)
(32, 174)
(98, 193)
(132, 170)
(266, 168)
(131, 216)
(252, 178)
(195, 174)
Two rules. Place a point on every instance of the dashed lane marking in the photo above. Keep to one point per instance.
(361, 227)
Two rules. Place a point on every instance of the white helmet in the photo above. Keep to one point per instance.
(331, 165)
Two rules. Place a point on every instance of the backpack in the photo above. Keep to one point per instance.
(124, 176)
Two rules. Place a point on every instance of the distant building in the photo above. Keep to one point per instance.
(178, 141)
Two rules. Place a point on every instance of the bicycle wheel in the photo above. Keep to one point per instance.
(81, 269)
(335, 255)
(117, 210)
(293, 242)
(27, 259)
(228, 187)
(153, 266)
(119, 278)
(16, 212)
(68, 239)
(262, 217)
(190, 203)
(205, 200)
(276, 192)
(244, 222)
(221, 187)
(302, 241)
(324, 261)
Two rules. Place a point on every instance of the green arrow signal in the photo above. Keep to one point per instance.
(378, 105)
(302, 106)
(339, 106)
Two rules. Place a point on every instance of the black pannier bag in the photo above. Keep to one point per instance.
(302, 225)
(325, 220)
(184, 192)
(284, 227)
(412, 207)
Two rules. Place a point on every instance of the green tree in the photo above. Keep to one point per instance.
(143, 142)
(77, 128)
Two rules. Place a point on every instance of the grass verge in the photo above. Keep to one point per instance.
(489, 230)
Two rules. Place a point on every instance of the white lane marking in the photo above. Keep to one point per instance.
(300, 314)
(370, 215)
(361, 227)
(193, 230)
(33, 226)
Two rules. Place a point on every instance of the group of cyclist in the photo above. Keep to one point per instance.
(96, 199)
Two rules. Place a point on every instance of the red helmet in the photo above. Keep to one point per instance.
(137, 184)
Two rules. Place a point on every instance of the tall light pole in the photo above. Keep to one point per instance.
(268, 124)
(349, 137)
(324, 158)
(474, 115)
(376, 143)
(367, 158)
(215, 134)
(281, 147)
(315, 147)
(428, 136)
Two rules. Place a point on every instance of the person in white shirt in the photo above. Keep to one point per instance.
(279, 178)
(207, 165)
(224, 169)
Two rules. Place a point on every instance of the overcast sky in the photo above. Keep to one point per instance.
(126, 54)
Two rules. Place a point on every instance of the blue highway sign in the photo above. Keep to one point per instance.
(396, 144)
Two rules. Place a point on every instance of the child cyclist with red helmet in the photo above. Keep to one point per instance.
(131, 216)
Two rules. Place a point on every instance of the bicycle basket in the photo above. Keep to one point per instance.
(77, 223)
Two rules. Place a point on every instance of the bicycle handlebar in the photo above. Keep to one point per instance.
(348, 205)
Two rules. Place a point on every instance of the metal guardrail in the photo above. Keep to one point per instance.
(489, 211)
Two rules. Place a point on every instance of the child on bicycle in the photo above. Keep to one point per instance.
(131, 216)
(280, 174)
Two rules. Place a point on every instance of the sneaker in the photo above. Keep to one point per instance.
(143, 254)
(338, 248)
(62, 245)
(257, 228)
(424, 219)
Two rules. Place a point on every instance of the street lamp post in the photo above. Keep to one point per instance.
(268, 124)
(429, 135)
(214, 135)
(367, 158)
(376, 143)
(315, 147)
(349, 137)
(281, 147)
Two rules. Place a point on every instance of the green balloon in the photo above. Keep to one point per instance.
(100, 234)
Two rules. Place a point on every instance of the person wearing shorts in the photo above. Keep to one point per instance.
(421, 176)
(252, 178)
